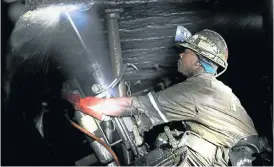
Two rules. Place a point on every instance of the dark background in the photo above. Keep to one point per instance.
(245, 25)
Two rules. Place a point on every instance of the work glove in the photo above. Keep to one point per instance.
(100, 107)
(92, 106)
(88, 105)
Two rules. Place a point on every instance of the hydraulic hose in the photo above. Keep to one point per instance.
(95, 138)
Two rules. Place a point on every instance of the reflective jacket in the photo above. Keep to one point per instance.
(209, 108)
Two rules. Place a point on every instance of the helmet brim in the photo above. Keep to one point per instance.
(189, 46)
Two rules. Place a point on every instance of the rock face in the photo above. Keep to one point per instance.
(147, 33)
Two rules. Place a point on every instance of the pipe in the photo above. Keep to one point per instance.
(112, 16)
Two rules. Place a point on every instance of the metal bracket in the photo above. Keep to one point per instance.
(105, 137)
(171, 139)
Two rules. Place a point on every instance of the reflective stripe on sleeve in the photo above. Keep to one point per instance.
(152, 100)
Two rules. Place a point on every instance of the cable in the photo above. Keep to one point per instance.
(95, 138)
(119, 78)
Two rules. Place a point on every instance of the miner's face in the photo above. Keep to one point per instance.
(186, 62)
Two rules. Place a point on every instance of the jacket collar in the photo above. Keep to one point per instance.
(202, 74)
